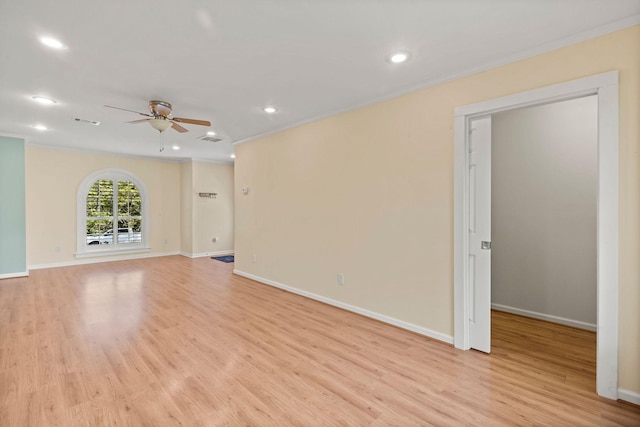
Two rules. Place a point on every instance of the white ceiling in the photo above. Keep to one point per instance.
(223, 60)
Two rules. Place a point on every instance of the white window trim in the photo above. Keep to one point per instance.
(82, 249)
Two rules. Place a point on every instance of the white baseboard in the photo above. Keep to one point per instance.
(381, 317)
(629, 396)
(549, 318)
(101, 259)
(203, 254)
(12, 275)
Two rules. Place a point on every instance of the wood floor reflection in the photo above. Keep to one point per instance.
(178, 341)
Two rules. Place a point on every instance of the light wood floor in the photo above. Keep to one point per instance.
(176, 341)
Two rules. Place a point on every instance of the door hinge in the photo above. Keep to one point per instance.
(485, 245)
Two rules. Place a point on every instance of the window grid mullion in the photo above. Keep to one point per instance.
(114, 207)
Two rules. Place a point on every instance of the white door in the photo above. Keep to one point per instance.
(480, 234)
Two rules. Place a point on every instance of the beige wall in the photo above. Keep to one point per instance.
(205, 218)
(177, 215)
(544, 180)
(52, 180)
(369, 193)
(186, 204)
(212, 217)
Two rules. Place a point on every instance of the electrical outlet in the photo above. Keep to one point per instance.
(166, 241)
(254, 258)
(215, 239)
(341, 279)
(58, 249)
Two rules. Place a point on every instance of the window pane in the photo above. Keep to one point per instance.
(128, 199)
(136, 225)
(129, 230)
(100, 205)
(100, 199)
(99, 232)
(104, 197)
(129, 209)
(92, 201)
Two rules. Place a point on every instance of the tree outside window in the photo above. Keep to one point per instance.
(113, 213)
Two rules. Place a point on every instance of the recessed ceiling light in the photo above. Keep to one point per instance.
(211, 133)
(52, 43)
(40, 127)
(233, 156)
(175, 147)
(399, 57)
(270, 109)
(44, 100)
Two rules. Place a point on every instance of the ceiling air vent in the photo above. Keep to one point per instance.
(91, 122)
(209, 138)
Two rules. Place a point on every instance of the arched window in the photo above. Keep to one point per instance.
(112, 213)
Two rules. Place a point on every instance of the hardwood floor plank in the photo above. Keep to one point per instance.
(175, 341)
(53, 407)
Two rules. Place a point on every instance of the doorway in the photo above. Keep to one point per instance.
(606, 87)
(544, 164)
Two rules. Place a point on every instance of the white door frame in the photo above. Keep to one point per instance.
(606, 87)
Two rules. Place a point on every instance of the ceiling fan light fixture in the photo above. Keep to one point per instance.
(160, 124)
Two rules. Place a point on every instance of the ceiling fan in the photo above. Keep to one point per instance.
(159, 118)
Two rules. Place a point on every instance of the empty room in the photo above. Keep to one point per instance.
(280, 212)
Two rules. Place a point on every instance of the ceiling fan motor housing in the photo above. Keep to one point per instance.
(160, 108)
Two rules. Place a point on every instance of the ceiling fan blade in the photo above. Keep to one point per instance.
(178, 127)
(191, 121)
(131, 111)
(138, 121)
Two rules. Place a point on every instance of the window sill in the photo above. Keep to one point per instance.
(91, 254)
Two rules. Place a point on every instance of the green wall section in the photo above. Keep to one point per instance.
(13, 230)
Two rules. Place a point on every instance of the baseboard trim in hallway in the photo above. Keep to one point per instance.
(547, 317)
